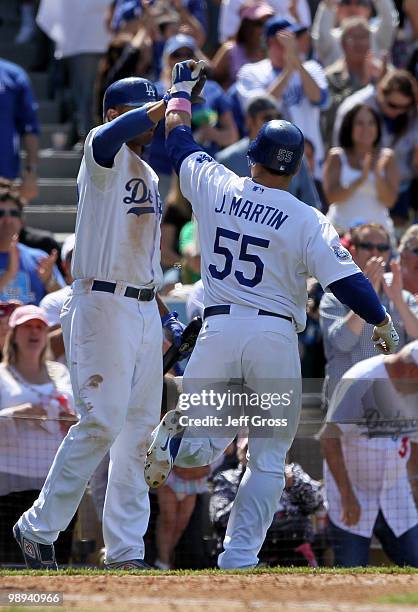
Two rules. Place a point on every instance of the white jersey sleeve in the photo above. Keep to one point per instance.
(325, 258)
(202, 178)
(52, 305)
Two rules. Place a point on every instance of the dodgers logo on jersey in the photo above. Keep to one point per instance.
(341, 253)
(139, 194)
(203, 157)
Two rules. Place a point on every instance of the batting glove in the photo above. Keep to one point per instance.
(174, 327)
(185, 75)
(385, 337)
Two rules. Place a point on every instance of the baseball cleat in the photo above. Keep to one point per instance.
(36, 556)
(134, 564)
(163, 450)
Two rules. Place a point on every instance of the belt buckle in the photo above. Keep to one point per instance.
(150, 293)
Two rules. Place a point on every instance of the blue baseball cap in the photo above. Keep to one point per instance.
(179, 41)
(275, 24)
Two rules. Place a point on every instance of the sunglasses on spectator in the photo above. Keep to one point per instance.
(399, 107)
(17, 214)
(7, 309)
(182, 54)
(370, 246)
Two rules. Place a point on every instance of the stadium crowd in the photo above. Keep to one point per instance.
(345, 72)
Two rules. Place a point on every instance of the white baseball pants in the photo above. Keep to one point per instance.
(262, 351)
(114, 352)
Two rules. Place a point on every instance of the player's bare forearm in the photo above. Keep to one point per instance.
(175, 118)
(162, 308)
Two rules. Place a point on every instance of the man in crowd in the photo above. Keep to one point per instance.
(346, 335)
(18, 122)
(299, 87)
(408, 249)
(26, 274)
(356, 68)
(326, 29)
(370, 446)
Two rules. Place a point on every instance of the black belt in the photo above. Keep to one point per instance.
(219, 310)
(143, 295)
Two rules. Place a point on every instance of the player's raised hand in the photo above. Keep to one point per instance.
(185, 77)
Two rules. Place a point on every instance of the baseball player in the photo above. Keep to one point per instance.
(112, 334)
(258, 246)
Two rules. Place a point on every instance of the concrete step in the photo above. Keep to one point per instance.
(58, 164)
(49, 111)
(40, 84)
(46, 131)
(57, 219)
(61, 191)
(19, 54)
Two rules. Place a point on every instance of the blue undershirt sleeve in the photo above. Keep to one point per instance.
(357, 293)
(110, 137)
(180, 144)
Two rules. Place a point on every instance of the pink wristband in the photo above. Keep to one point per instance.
(179, 104)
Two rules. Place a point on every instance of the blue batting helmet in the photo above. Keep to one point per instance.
(279, 146)
(132, 91)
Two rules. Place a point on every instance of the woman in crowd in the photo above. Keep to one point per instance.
(360, 177)
(395, 101)
(36, 410)
(245, 47)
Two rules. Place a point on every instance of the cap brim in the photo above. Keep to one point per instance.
(29, 317)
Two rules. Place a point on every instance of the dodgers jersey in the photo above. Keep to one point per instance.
(258, 244)
(118, 220)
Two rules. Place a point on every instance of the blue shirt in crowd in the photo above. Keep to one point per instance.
(26, 285)
(17, 115)
(126, 10)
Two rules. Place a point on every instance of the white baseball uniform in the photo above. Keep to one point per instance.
(114, 351)
(258, 246)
